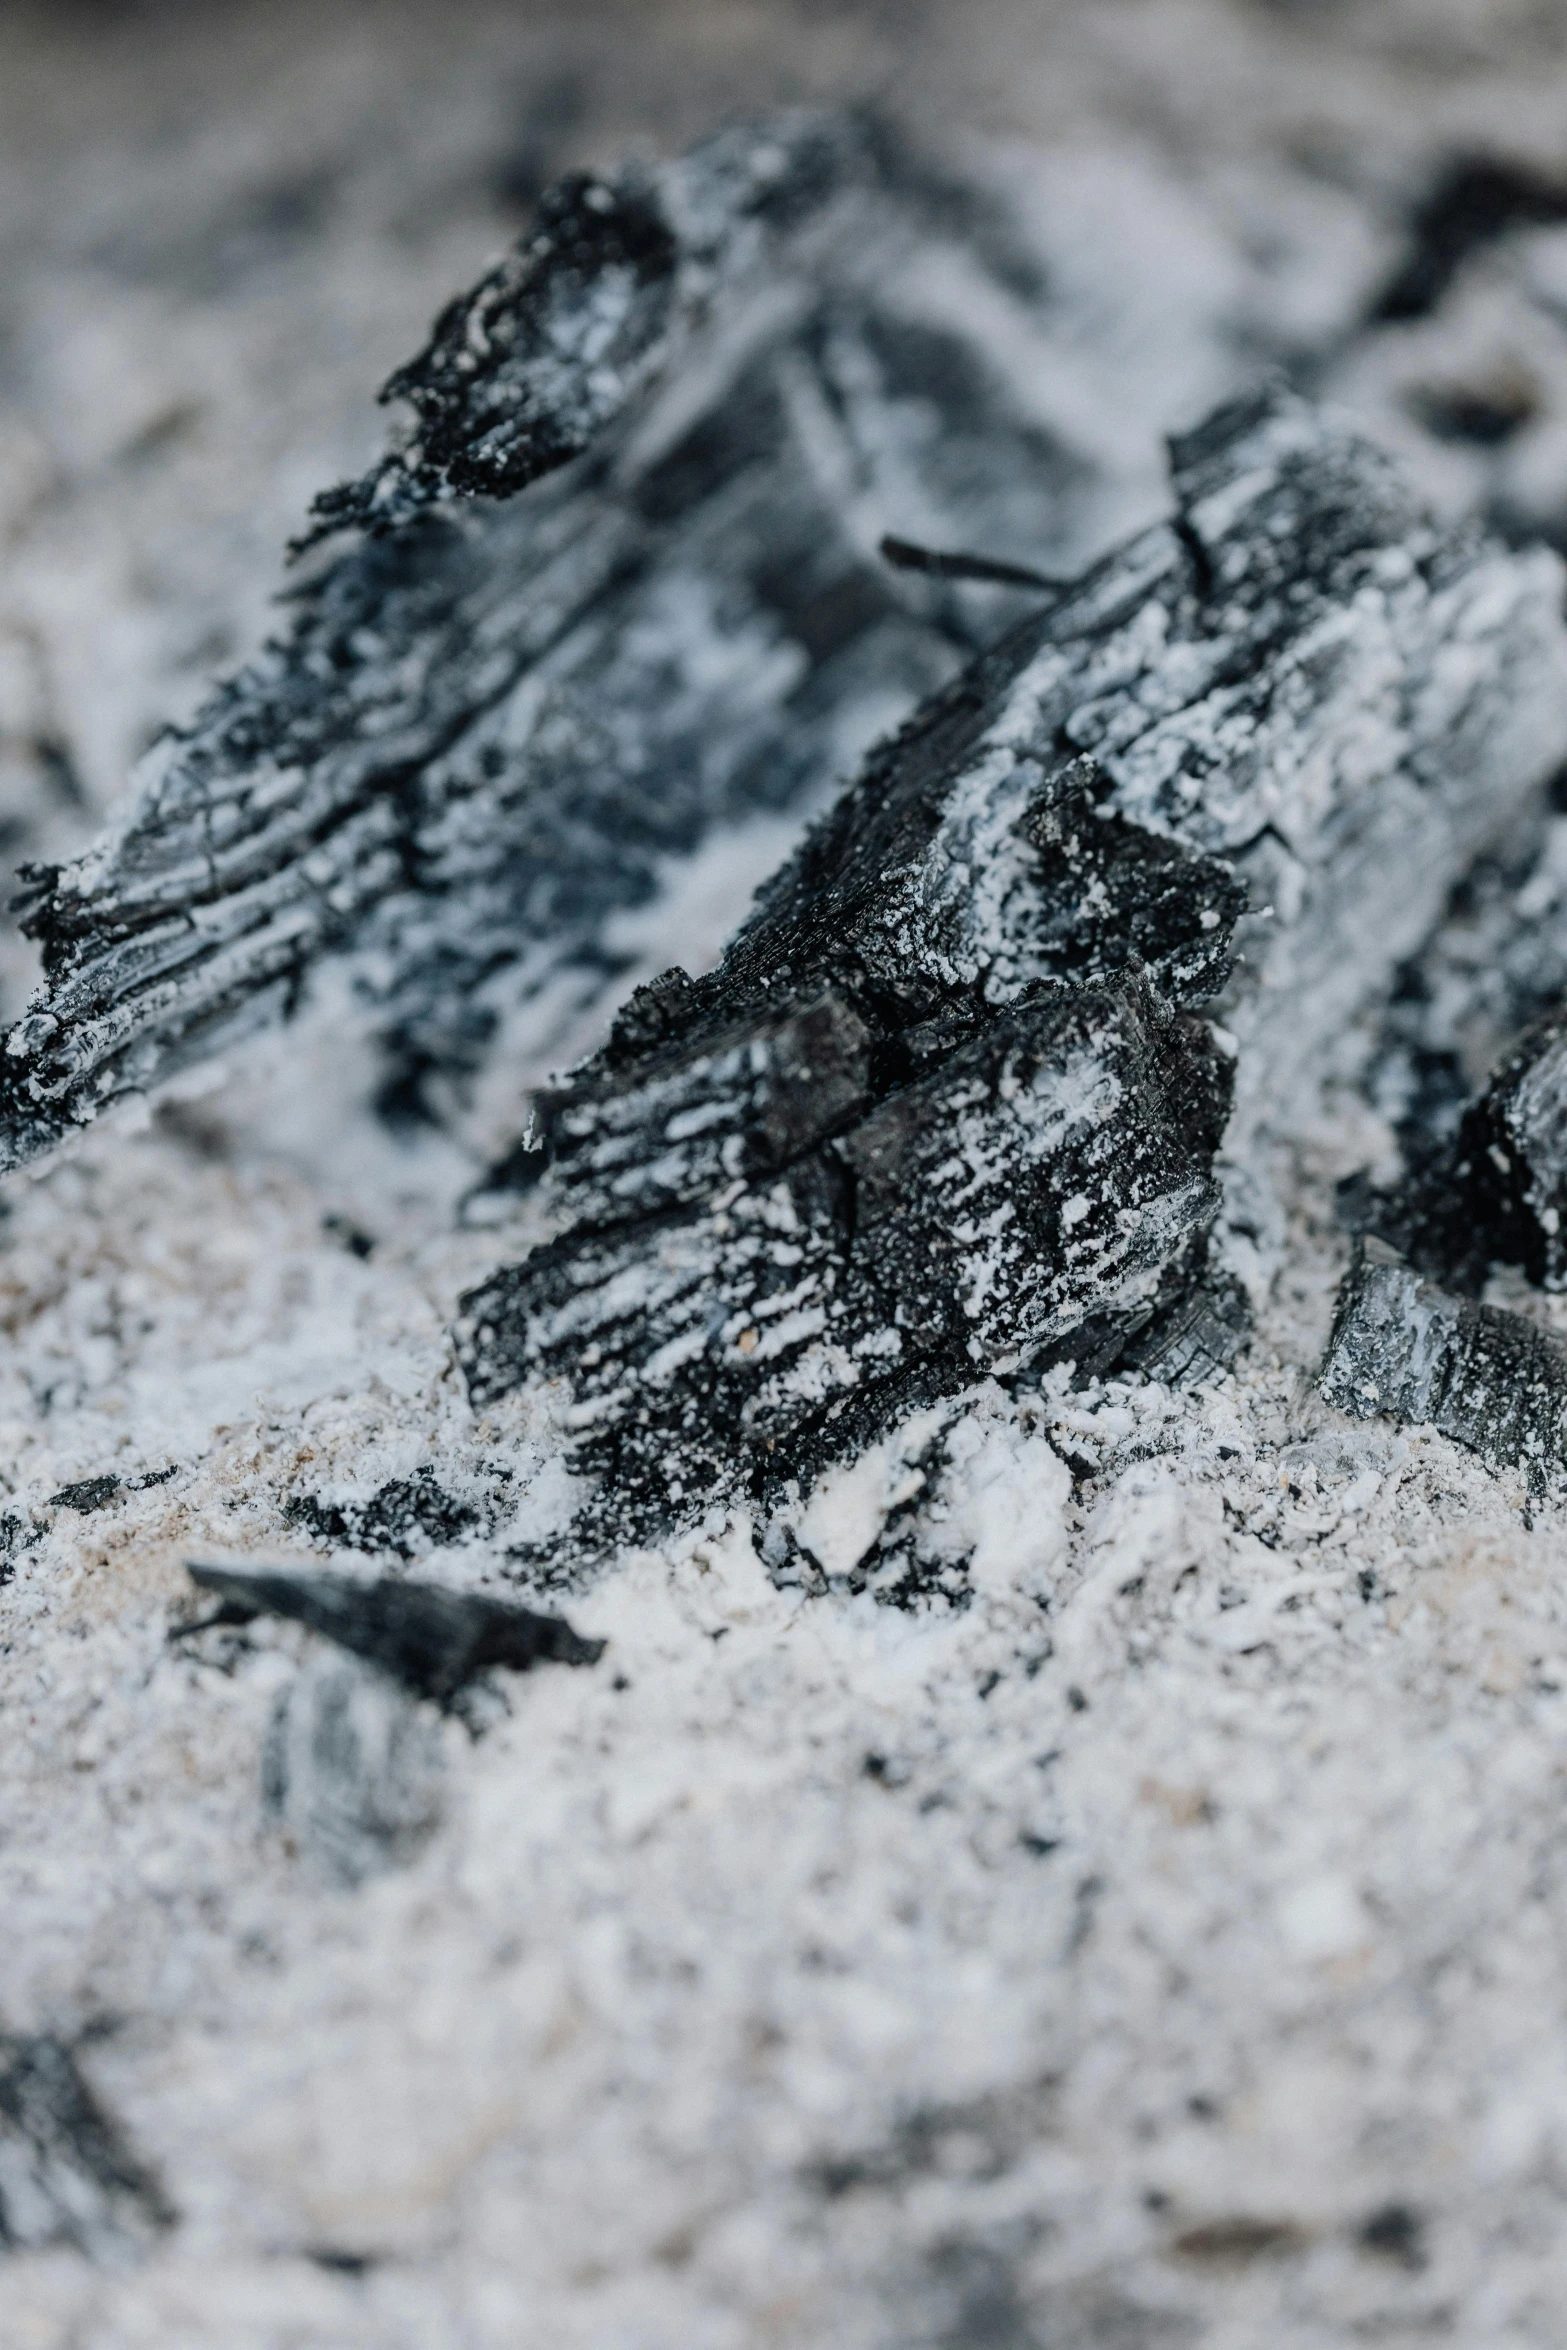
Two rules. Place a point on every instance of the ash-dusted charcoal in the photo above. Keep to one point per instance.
(1497, 1195)
(433, 1641)
(1007, 1175)
(1403, 1349)
(1286, 693)
(353, 1770)
(67, 2174)
(408, 1515)
(1302, 683)
(620, 582)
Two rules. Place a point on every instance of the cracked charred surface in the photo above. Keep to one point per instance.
(1047, 1162)
(944, 1104)
(716, 383)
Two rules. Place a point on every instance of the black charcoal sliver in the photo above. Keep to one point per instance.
(67, 2174)
(91, 1493)
(433, 1641)
(1404, 1349)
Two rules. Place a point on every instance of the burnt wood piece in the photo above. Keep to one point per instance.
(1498, 1194)
(1404, 1349)
(1299, 678)
(68, 2176)
(1013, 1172)
(433, 1641)
(619, 582)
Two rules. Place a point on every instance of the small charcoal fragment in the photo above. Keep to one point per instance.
(1476, 200)
(1406, 1350)
(433, 1641)
(96, 1493)
(353, 1770)
(409, 1515)
(67, 2175)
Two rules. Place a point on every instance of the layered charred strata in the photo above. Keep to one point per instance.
(1008, 1182)
(839, 1175)
(618, 582)
(1404, 1349)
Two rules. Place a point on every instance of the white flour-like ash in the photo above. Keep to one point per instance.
(1153, 1933)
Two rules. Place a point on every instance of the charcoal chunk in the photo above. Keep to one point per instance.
(1403, 1349)
(353, 1771)
(1049, 1164)
(433, 1641)
(618, 583)
(1498, 1194)
(990, 952)
(67, 2173)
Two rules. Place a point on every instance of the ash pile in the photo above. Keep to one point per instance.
(1001, 1071)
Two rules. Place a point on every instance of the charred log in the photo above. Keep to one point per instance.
(1403, 1349)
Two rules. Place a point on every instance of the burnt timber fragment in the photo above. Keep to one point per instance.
(67, 2174)
(1404, 1349)
(408, 1515)
(618, 583)
(947, 1102)
(1498, 1194)
(993, 1182)
(434, 1642)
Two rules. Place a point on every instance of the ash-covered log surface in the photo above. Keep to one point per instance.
(1408, 1350)
(68, 2175)
(619, 583)
(943, 1102)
